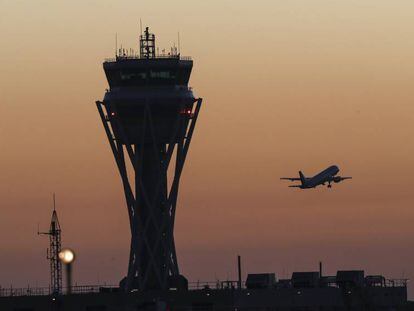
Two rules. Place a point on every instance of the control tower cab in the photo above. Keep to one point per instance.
(158, 80)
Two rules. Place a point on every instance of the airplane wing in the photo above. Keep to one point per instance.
(290, 178)
(294, 186)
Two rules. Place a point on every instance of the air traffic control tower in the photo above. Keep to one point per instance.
(149, 114)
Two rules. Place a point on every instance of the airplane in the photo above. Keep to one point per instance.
(326, 176)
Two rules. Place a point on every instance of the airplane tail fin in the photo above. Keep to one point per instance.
(302, 178)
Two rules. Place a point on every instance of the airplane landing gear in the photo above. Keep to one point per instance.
(329, 185)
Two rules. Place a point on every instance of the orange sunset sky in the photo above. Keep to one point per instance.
(287, 85)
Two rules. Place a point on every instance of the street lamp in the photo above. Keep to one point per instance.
(67, 257)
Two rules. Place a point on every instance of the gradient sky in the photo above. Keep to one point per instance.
(287, 85)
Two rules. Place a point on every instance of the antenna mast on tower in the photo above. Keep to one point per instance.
(55, 239)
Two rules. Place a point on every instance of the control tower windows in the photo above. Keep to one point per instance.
(152, 77)
(162, 75)
(133, 76)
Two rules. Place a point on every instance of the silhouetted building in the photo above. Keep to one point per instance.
(347, 290)
(149, 115)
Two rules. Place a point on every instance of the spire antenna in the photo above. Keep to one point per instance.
(116, 44)
(179, 44)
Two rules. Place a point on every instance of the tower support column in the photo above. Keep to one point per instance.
(151, 202)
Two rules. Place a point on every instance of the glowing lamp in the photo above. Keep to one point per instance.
(67, 256)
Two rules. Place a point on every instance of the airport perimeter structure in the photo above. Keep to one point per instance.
(149, 114)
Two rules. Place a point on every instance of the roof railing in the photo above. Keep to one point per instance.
(198, 285)
(47, 291)
(137, 57)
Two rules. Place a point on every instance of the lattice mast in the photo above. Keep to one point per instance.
(55, 246)
(147, 44)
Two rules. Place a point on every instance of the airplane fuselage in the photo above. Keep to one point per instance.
(323, 177)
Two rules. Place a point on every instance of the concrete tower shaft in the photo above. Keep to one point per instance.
(149, 114)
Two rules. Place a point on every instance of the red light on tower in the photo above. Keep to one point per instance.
(187, 112)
